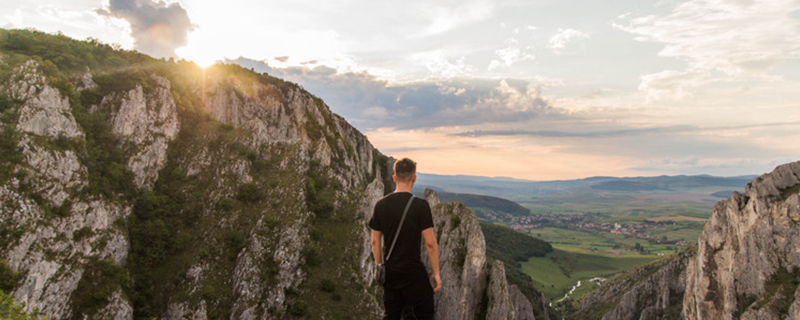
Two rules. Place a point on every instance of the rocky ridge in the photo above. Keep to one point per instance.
(747, 264)
(167, 191)
(653, 291)
(467, 287)
(55, 236)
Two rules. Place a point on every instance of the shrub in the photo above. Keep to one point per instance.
(327, 285)
(8, 278)
(82, 233)
(311, 254)
(249, 193)
(9, 310)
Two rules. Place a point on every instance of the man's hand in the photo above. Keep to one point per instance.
(437, 283)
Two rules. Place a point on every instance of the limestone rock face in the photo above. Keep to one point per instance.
(462, 256)
(59, 239)
(147, 123)
(747, 261)
(523, 307)
(45, 111)
(501, 305)
(462, 264)
(290, 115)
(654, 291)
(55, 235)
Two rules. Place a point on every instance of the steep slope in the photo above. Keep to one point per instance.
(469, 290)
(652, 291)
(747, 265)
(139, 188)
(134, 187)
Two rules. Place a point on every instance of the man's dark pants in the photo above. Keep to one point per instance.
(418, 296)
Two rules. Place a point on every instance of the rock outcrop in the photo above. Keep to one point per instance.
(652, 291)
(747, 264)
(155, 189)
(245, 193)
(500, 304)
(146, 123)
(466, 285)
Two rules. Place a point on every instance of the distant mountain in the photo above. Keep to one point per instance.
(679, 194)
(514, 188)
(486, 206)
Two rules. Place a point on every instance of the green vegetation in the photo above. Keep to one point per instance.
(8, 278)
(100, 279)
(512, 247)
(9, 310)
(786, 193)
(508, 245)
(556, 273)
(209, 201)
(780, 290)
(10, 151)
(332, 287)
(320, 190)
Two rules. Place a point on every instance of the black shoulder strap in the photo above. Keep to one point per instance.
(400, 227)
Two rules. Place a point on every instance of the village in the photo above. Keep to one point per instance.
(586, 222)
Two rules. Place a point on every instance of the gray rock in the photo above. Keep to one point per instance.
(148, 123)
(500, 304)
(522, 306)
(45, 111)
(749, 239)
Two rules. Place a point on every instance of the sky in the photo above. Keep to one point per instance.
(529, 89)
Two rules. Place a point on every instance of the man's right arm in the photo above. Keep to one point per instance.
(432, 249)
(377, 251)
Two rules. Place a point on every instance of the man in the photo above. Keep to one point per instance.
(407, 282)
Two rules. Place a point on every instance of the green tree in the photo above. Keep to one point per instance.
(9, 310)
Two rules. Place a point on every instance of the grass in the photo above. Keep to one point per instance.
(556, 273)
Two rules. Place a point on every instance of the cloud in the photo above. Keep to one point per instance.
(448, 16)
(158, 28)
(564, 37)
(597, 134)
(373, 103)
(511, 54)
(672, 84)
(440, 66)
(729, 40)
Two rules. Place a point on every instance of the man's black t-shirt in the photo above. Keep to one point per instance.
(404, 266)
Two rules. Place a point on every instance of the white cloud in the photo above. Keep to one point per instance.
(511, 54)
(440, 65)
(728, 40)
(671, 84)
(564, 37)
(75, 22)
(444, 17)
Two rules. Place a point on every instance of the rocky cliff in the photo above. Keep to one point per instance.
(469, 290)
(139, 188)
(748, 263)
(133, 187)
(652, 291)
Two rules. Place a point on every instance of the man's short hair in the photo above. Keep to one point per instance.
(405, 169)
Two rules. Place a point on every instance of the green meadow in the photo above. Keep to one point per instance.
(586, 254)
(557, 272)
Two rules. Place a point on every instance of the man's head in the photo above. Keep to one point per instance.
(405, 170)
